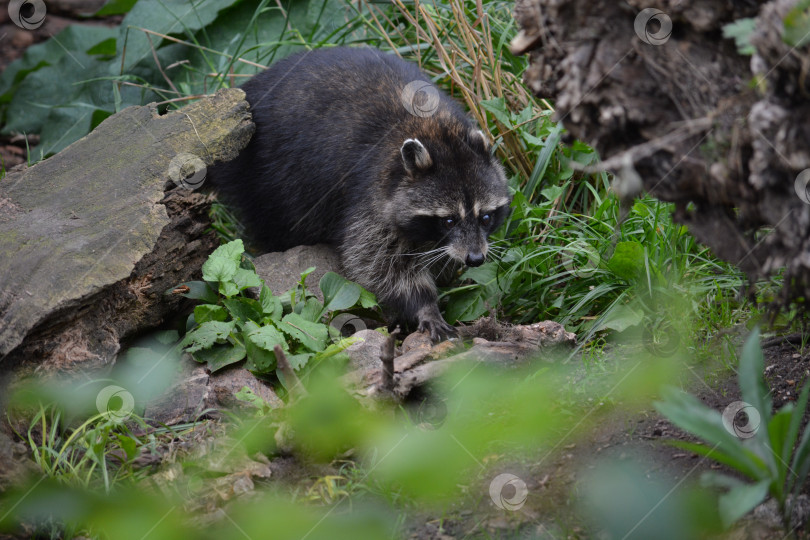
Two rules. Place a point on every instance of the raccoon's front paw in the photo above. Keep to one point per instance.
(436, 327)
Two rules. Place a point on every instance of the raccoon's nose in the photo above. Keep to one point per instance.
(475, 259)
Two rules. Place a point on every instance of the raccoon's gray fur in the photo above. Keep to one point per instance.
(357, 148)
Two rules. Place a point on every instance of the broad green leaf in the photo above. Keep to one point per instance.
(244, 309)
(312, 310)
(209, 312)
(246, 278)
(219, 269)
(129, 445)
(220, 355)
(740, 500)
(627, 261)
(740, 31)
(103, 48)
(297, 361)
(368, 299)
(271, 305)
(115, 7)
(497, 106)
(207, 334)
(622, 317)
(168, 17)
(338, 292)
(312, 335)
(267, 337)
(228, 289)
(259, 347)
(197, 290)
(233, 251)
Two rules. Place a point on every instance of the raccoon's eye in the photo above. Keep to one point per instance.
(486, 219)
(449, 223)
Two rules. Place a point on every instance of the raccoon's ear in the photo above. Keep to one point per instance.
(415, 156)
(478, 140)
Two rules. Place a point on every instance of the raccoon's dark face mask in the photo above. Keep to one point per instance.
(455, 205)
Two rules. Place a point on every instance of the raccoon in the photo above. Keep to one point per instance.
(357, 148)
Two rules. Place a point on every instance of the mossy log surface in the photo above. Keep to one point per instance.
(92, 237)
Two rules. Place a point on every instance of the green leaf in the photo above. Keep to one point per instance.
(752, 380)
(220, 355)
(128, 444)
(298, 361)
(103, 48)
(259, 343)
(271, 305)
(796, 30)
(245, 279)
(688, 413)
(115, 7)
(497, 106)
(627, 261)
(209, 312)
(246, 395)
(313, 310)
(368, 299)
(164, 17)
(207, 334)
(244, 309)
(219, 269)
(741, 30)
(228, 289)
(267, 337)
(338, 292)
(312, 335)
(198, 290)
(621, 318)
(740, 500)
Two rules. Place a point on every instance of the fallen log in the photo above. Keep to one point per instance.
(92, 237)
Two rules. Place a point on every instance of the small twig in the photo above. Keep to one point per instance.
(387, 358)
(292, 381)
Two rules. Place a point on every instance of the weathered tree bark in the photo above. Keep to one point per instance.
(92, 237)
(680, 107)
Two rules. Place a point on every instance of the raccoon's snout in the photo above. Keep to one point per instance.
(474, 259)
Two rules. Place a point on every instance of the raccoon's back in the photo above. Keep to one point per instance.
(328, 124)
